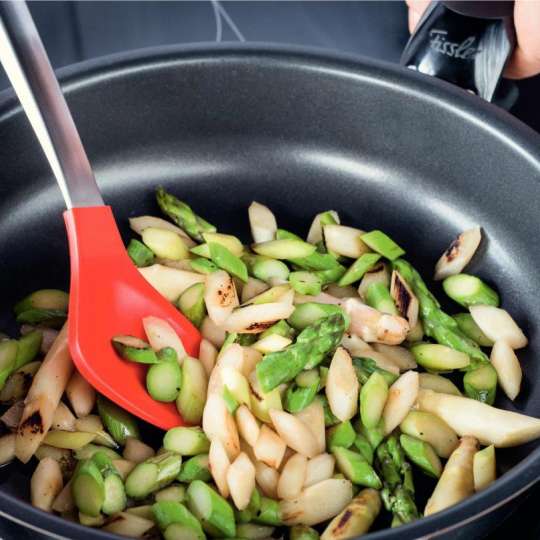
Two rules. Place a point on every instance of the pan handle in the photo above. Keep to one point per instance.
(28, 68)
(468, 44)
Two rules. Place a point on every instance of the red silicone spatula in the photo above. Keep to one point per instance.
(108, 295)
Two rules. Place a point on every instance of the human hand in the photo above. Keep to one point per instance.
(525, 61)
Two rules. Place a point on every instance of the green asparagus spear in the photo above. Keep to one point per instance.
(44, 299)
(342, 435)
(269, 512)
(364, 447)
(356, 271)
(253, 531)
(333, 275)
(439, 357)
(373, 399)
(303, 532)
(87, 488)
(140, 254)
(88, 451)
(227, 261)
(378, 296)
(192, 395)
(365, 367)
(164, 379)
(304, 282)
(284, 249)
(467, 325)
(374, 435)
(153, 474)
(134, 349)
(249, 513)
(191, 304)
(167, 513)
(119, 423)
(356, 468)
(28, 348)
(186, 441)
(203, 266)
(266, 269)
(281, 328)
(469, 290)
(309, 313)
(329, 418)
(437, 324)
(195, 468)
(183, 215)
(422, 454)
(298, 397)
(174, 492)
(230, 400)
(481, 383)
(312, 345)
(383, 244)
(211, 509)
(8, 355)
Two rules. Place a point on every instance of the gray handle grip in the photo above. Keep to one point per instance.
(28, 68)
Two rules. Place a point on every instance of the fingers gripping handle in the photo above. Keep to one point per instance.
(28, 68)
(465, 43)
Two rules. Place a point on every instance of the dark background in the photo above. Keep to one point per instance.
(76, 31)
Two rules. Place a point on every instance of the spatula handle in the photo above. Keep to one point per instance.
(28, 67)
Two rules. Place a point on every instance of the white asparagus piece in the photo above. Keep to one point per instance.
(256, 318)
(212, 332)
(207, 356)
(253, 288)
(81, 395)
(345, 241)
(7, 448)
(488, 424)
(248, 426)
(458, 254)
(498, 324)
(241, 480)
(64, 501)
(317, 503)
(404, 298)
(315, 234)
(220, 296)
(43, 397)
(267, 479)
(270, 447)
(437, 383)
(218, 422)
(137, 451)
(251, 359)
(170, 282)
(400, 356)
(272, 343)
(372, 325)
(140, 223)
(484, 468)
(401, 397)
(161, 334)
(262, 222)
(233, 358)
(46, 483)
(321, 298)
(124, 467)
(126, 524)
(431, 429)
(294, 433)
(342, 386)
(12, 416)
(313, 417)
(63, 418)
(506, 364)
(341, 292)
(319, 468)
(219, 464)
(456, 482)
(292, 477)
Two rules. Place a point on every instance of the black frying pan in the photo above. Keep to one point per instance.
(302, 132)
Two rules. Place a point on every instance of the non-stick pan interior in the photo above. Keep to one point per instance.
(298, 133)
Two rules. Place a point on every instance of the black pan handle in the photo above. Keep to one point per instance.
(466, 43)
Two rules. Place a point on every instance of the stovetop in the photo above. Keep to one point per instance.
(75, 31)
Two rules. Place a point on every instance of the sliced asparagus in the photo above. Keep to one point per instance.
(224, 259)
(165, 244)
(484, 468)
(439, 357)
(186, 441)
(311, 346)
(378, 296)
(190, 400)
(469, 290)
(88, 488)
(481, 383)
(373, 399)
(119, 423)
(458, 254)
(202, 265)
(309, 313)
(467, 325)
(163, 380)
(191, 304)
(134, 349)
(140, 254)
(167, 513)
(356, 468)
(422, 454)
(195, 468)
(357, 270)
(183, 215)
(304, 282)
(341, 435)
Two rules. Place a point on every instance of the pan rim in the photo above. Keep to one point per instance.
(484, 116)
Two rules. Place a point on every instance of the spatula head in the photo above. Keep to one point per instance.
(109, 297)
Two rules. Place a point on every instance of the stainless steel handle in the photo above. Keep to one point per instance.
(28, 67)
